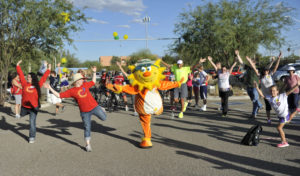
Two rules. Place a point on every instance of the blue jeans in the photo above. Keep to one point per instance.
(32, 119)
(86, 119)
(253, 94)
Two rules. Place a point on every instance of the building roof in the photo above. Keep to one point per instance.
(105, 60)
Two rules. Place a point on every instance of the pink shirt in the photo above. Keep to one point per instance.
(291, 82)
(189, 83)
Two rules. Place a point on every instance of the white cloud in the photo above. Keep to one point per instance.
(124, 26)
(137, 20)
(93, 20)
(128, 7)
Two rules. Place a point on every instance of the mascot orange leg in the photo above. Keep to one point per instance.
(146, 122)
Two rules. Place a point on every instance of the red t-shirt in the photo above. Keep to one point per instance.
(167, 74)
(119, 79)
(82, 95)
(29, 93)
(15, 90)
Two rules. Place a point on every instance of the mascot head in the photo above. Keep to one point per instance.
(146, 74)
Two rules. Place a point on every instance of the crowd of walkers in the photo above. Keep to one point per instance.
(27, 91)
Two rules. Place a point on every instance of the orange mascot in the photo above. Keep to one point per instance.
(145, 79)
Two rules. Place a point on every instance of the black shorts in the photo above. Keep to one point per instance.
(268, 106)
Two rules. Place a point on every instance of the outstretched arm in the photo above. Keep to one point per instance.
(167, 65)
(212, 63)
(237, 53)
(201, 60)
(292, 89)
(258, 90)
(233, 65)
(252, 65)
(94, 69)
(277, 63)
(46, 85)
(122, 70)
(21, 74)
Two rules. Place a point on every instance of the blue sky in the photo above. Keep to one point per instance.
(125, 17)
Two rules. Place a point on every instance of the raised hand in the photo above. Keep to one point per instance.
(201, 60)
(49, 66)
(58, 65)
(209, 58)
(237, 52)
(280, 54)
(273, 58)
(94, 69)
(19, 62)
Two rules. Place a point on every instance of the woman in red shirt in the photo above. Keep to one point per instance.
(16, 91)
(31, 97)
(88, 106)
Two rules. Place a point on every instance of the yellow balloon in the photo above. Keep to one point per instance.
(65, 16)
(115, 34)
(63, 60)
(125, 37)
(65, 70)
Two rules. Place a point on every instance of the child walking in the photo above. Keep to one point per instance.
(279, 103)
(88, 106)
(31, 97)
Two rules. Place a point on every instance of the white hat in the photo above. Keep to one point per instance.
(291, 68)
(179, 62)
(77, 77)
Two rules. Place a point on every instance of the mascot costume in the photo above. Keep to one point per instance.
(145, 79)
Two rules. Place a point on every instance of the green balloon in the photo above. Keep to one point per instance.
(116, 37)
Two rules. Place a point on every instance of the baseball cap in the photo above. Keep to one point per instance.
(179, 62)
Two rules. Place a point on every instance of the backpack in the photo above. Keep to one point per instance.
(252, 136)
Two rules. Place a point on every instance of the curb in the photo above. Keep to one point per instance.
(231, 98)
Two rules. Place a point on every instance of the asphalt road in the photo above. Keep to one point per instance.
(202, 143)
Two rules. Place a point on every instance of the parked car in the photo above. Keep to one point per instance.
(236, 71)
(282, 72)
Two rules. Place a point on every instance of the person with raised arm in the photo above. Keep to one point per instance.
(279, 103)
(251, 75)
(31, 95)
(180, 71)
(223, 83)
(266, 82)
(88, 106)
(54, 83)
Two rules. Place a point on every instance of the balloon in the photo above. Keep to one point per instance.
(116, 37)
(65, 70)
(63, 60)
(65, 16)
(115, 34)
(125, 37)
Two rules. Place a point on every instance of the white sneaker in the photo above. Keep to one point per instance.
(31, 140)
(88, 148)
(203, 108)
(135, 113)
(18, 116)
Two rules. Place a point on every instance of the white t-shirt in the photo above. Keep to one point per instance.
(279, 104)
(223, 80)
(266, 82)
(202, 75)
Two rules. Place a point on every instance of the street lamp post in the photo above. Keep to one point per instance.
(146, 20)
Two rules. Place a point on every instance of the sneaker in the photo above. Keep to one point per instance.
(283, 144)
(203, 108)
(18, 116)
(88, 148)
(223, 115)
(135, 113)
(63, 109)
(253, 116)
(180, 115)
(31, 140)
(184, 107)
(269, 121)
(126, 108)
(220, 108)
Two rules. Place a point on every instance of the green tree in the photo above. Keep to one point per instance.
(114, 60)
(27, 26)
(217, 29)
(142, 54)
